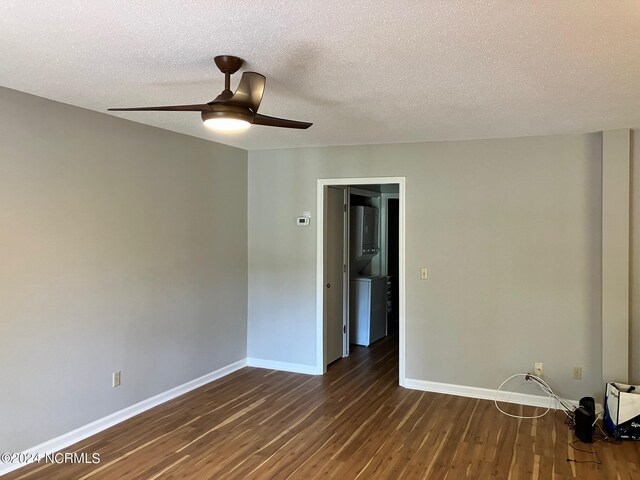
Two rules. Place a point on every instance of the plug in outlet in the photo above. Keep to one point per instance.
(116, 379)
(577, 373)
(538, 369)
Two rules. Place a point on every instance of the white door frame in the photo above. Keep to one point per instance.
(321, 330)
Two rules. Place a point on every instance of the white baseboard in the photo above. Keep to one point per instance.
(483, 393)
(283, 366)
(67, 439)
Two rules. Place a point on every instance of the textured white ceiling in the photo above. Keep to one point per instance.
(362, 71)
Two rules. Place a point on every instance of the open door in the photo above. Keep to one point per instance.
(334, 272)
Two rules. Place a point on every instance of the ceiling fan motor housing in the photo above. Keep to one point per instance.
(228, 111)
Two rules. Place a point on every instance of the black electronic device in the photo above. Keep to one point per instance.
(585, 419)
(589, 403)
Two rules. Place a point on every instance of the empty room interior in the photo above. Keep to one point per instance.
(308, 240)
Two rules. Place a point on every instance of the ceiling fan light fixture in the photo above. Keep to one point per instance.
(227, 120)
(226, 124)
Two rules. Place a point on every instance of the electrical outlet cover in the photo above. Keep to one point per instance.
(538, 369)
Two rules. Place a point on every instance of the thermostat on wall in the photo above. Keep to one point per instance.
(302, 221)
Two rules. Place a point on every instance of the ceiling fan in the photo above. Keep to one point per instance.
(231, 110)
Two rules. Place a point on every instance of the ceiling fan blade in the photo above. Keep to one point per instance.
(171, 108)
(279, 122)
(249, 92)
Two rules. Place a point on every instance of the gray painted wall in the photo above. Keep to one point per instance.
(122, 247)
(510, 230)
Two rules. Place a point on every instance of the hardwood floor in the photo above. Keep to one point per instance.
(353, 422)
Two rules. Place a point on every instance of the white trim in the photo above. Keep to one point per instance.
(321, 333)
(345, 273)
(283, 366)
(70, 438)
(484, 393)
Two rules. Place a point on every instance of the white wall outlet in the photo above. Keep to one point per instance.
(538, 369)
(423, 273)
(116, 379)
(577, 373)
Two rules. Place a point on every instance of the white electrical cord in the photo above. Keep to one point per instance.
(544, 386)
(567, 409)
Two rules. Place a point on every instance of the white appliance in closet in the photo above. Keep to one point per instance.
(368, 309)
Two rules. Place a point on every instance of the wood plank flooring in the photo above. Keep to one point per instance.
(355, 422)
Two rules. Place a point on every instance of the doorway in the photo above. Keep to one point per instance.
(338, 266)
